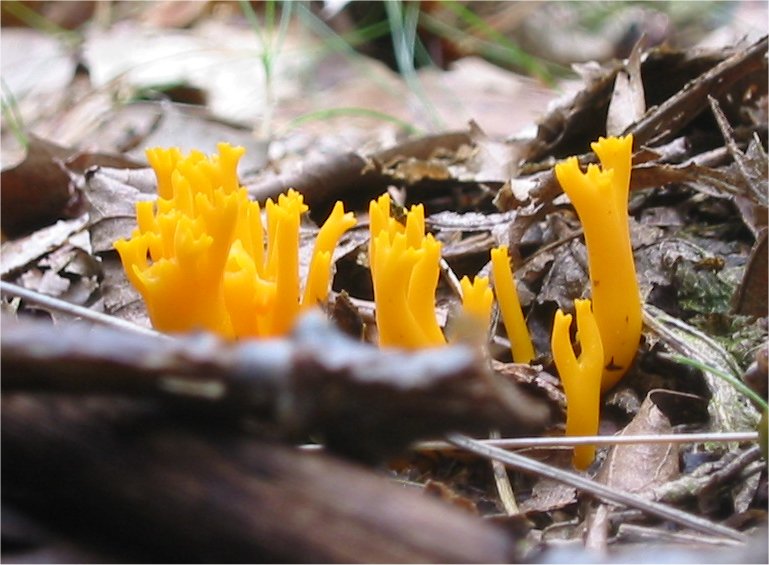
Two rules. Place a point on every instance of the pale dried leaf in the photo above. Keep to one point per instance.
(628, 102)
(20, 252)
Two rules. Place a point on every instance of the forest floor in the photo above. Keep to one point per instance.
(464, 108)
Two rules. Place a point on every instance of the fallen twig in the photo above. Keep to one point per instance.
(361, 400)
(595, 489)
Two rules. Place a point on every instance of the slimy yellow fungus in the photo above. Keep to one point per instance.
(405, 266)
(477, 299)
(600, 197)
(581, 377)
(510, 306)
(210, 265)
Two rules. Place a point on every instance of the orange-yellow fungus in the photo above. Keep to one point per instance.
(581, 377)
(477, 299)
(600, 197)
(512, 314)
(210, 265)
(405, 266)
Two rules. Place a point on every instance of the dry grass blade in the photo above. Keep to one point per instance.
(526, 442)
(502, 480)
(597, 490)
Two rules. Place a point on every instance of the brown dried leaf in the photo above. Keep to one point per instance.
(569, 280)
(751, 296)
(38, 191)
(192, 128)
(566, 129)
(112, 196)
(548, 495)
(118, 297)
(664, 121)
(678, 84)
(637, 468)
(533, 379)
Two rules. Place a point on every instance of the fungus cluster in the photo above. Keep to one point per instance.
(213, 263)
(204, 256)
(600, 197)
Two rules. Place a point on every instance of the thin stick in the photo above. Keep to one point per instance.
(517, 443)
(598, 490)
(63, 307)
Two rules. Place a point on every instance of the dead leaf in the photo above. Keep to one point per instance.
(568, 128)
(548, 495)
(117, 296)
(535, 380)
(39, 190)
(628, 102)
(728, 408)
(45, 282)
(636, 468)
(664, 121)
(189, 127)
(20, 252)
(751, 296)
(220, 59)
(754, 176)
(36, 68)
(112, 196)
(501, 102)
(351, 177)
(756, 376)
(569, 280)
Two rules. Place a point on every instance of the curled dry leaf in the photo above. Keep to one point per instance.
(635, 468)
(677, 87)
(38, 191)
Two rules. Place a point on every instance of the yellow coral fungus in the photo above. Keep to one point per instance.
(477, 299)
(581, 377)
(510, 306)
(210, 267)
(405, 266)
(600, 197)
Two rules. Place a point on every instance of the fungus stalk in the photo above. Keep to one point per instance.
(581, 377)
(600, 197)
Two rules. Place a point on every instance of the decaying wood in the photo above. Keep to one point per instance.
(360, 400)
(127, 473)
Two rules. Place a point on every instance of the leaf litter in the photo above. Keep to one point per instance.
(698, 221)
